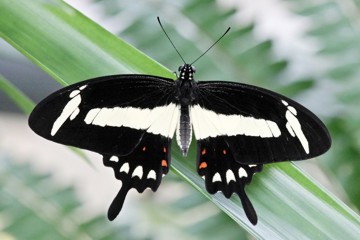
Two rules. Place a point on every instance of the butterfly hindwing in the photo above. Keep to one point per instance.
(143, 168)
(259, 126)
(216, 163)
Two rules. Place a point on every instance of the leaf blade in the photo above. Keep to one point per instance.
(20, 99)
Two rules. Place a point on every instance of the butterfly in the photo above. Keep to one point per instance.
(131, 121)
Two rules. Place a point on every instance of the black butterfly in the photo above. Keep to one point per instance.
(131, 120)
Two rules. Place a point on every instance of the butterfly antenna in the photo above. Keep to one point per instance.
(170, 40)
(211, 45)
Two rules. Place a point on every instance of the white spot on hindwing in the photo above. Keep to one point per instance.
(242, 172)
(114, 159)
(70, 110)
(230, 176)
(151, 175)
(125, 168)
(294, 127)
(216, 177)
(138, 172)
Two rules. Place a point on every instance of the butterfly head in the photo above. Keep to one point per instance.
(186, 72)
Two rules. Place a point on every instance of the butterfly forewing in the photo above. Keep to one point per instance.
(108, 115)
(259, 126)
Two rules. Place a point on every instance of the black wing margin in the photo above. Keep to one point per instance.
(285, 129)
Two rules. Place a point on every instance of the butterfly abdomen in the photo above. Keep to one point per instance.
(184, 130)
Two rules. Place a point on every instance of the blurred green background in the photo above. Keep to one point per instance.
(307, 49)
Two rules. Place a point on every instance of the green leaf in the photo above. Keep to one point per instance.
(21, 100)
(71, 48)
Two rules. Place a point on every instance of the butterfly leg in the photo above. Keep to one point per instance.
(222, 173)
(143, 168)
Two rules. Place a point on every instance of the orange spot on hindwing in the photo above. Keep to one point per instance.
(144, 149)
(164, 149)
(224, 152)
(203, 152)
(203, 165)
(164, 163)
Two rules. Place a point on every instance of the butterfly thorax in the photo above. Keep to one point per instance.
(186, 72)
(186, 95)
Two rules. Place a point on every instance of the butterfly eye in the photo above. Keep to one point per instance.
(181, 68)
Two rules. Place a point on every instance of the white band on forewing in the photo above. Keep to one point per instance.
(71, 110)
(159, 120)
(207, 123)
